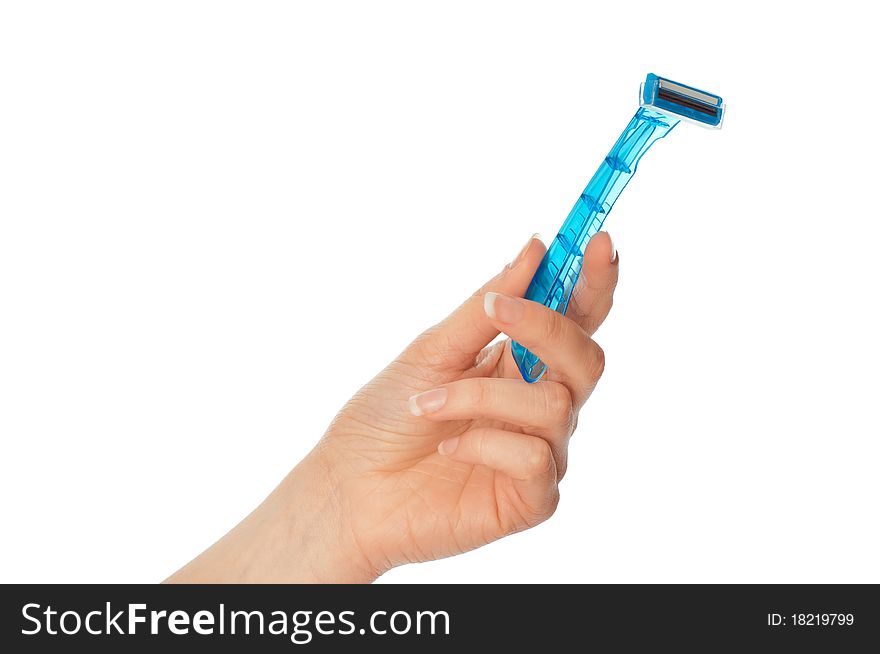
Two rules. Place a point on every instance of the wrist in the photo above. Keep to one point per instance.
(299, 534)
(311, 525)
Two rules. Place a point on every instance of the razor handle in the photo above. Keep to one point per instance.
(560, 268)
(552, 286)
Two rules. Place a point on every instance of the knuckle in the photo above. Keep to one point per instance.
(561, 467)
(596, 361)
(539, 460)
(478, 444)
(479, 393)
(554, 328)
(546, 508)
(557, 401)
(426, 350)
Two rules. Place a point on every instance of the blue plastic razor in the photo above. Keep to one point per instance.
(662, 105)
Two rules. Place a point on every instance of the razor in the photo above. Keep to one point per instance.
(662, 105)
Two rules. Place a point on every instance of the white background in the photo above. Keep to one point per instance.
(218, 220)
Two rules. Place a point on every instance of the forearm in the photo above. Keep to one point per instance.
(297, 535)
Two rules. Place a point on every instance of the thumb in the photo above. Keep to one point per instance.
(455, 342)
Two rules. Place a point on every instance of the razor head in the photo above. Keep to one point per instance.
(682, 101)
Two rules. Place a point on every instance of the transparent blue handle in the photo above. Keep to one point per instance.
(559, 270)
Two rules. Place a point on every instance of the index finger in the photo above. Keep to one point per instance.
(455, 343)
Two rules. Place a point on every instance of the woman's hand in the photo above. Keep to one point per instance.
(445, 450)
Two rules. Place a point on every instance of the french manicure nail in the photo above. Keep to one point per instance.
(447, 447)
(613, 249)
(502, 308)
(427, 402)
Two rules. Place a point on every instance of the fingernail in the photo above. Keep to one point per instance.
(613, 249)
(502, 308)
(447, 447)
(427, 402)
(525, 248)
